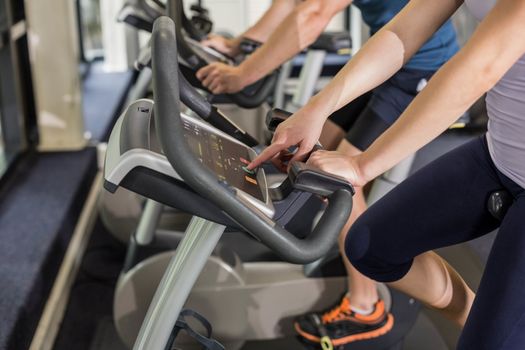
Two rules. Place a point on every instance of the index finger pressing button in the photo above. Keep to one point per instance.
(248, 171)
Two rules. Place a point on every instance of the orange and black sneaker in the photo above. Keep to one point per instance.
(340, 325)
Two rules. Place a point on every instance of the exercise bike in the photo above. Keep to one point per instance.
(142, 13)
(185, 163)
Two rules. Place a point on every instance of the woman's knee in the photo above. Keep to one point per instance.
(368, 252)
(358, 249)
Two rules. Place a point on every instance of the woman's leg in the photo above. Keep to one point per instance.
(441, 205)
(385, 105)
(497, 319)
(362, 288)
(433, 281)
(331, 135)
(362, 315)
(368, 127)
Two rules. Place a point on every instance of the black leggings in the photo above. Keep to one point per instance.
(445, 203)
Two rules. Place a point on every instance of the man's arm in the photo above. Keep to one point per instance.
(295, 33)
(268, 23)
(260, 31)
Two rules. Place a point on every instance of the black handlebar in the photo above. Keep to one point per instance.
(255, 95)
(276, 116)
(250, 97)
(189, 26)
(141, 14)
(248, 46)
(171, 135)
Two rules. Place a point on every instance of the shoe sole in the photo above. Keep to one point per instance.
(387, 327)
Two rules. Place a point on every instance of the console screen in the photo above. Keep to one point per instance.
(209, 55)
(223, 157)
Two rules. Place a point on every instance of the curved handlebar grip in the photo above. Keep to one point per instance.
(255, 95)
(154, 8)
(252, 96)
(191, 98)
(171, 135)
(248, 46)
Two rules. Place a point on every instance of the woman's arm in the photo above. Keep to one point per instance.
(382, 56)
(496, 45)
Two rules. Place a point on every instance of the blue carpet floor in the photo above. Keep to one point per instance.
(37, 217)
(39, 206)
(91, 299)
(104, 94)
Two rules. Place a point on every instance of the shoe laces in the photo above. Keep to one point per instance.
(339, 312)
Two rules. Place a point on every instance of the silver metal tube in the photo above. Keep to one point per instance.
(386, 182)
(356, 29)
(141, 86)
(149, 221)
(280, 87)
(310, 73)
(401, 171)
(178, 280)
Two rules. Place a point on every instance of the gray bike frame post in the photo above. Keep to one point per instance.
(386, 182)
(141, 86)
(310, 73)
(199, 241)
(280, 87)
(149, 221)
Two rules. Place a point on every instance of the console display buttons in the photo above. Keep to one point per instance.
(250, 180)
(248, 171)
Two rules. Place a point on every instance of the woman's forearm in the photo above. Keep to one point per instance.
(446, 97)
(472, 72)
(384, 53)
(378, 60)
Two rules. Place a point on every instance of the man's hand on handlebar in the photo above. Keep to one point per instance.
(220, 78)
(229, 47)
(299, 130)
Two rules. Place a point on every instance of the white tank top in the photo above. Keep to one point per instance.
(506, 110)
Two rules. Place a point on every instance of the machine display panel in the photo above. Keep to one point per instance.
(225, 158)
(208, 54)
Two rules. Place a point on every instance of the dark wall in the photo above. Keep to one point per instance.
(17, 107)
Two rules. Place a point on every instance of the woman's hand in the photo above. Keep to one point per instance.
(229, 47)
(220, 78)
(301, 129)
(339, 164)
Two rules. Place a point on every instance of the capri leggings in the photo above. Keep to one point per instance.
(445, 203)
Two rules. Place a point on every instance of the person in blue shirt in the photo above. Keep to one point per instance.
(360, 314)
